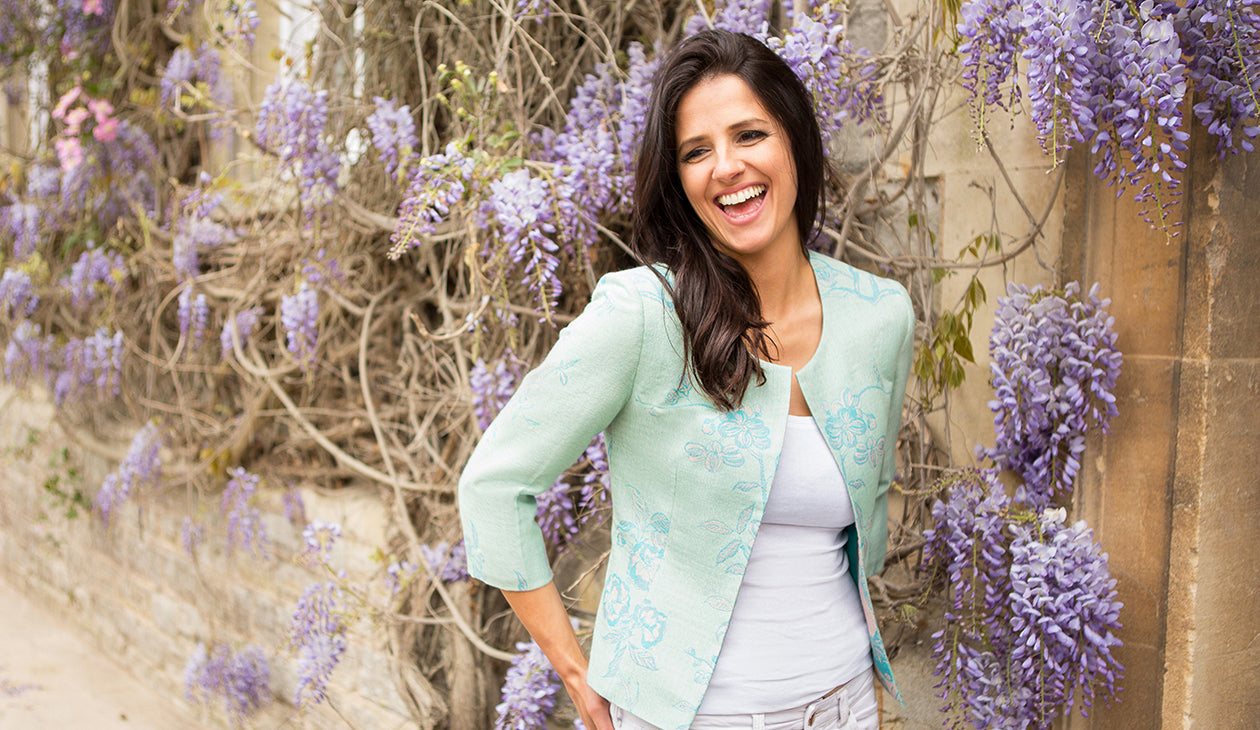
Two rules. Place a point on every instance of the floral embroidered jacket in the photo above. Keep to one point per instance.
(689, 482)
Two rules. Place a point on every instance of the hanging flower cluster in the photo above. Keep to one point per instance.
(1053, 366)
(292, 123)
(141, 467)
(240, 679)
(1033, 612)
(1114, 75)
(529, 691)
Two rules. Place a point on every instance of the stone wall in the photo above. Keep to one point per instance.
(145, 601)
(1172, 490)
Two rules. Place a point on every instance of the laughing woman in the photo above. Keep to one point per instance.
(746, 388)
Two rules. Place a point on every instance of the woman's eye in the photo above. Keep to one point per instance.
(751, 135)
(693, 154)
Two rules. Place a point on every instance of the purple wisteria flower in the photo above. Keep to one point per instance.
(967, 544)
(524, 207)
(1059, 52)
(245, 528)
(180, 69)
(737, 16)
(318, 636)
(1109, 74)
(194, 316)
(493, 387)
(27, 354)
(318, 539)
(448, 562)
(242, 21)
(141, 467)
(299, 315)
(1053, 368)
(393, 132)
(93, 271)
(529, 691)
(241, 326)
(9, 688)
(990, 32)
(1221, 43)
(595, 151)
(842, 79)
(291, 125)
(184, 72)
(196, 233)
(564, 508)
(294, 507)
(399, 574)
(17, 294)
(1033, 609)
(22, 223)
(322, 269)
(43, 182)
(438, 184)
(92, 365)
(191, 534)
(241, 680)
(1064, 614)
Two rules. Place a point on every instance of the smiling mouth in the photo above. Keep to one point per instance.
(731, 200)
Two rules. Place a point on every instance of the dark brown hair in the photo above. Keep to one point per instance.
(714, 298)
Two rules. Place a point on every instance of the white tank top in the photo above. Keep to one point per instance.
(797, 629)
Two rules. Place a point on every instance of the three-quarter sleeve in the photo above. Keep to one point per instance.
(559, 407)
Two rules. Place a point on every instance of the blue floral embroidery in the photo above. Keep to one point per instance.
(680, 394)
(644, 535)
(735, 434)
(734, 555)
(714, 454)
(747, 431)
(846, 422)
(633, 629)
(869, 450)
(562, 370)
(832, 279)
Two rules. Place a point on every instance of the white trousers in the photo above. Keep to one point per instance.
(852, 706)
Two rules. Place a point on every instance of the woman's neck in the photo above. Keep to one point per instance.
(783, 283)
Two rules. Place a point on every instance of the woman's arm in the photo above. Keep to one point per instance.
(544, 616)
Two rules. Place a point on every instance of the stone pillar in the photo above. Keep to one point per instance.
(1172, 491)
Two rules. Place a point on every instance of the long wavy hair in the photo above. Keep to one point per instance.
(716, 301)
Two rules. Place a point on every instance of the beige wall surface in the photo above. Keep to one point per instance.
(1172, 491)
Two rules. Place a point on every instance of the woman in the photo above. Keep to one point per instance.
(746, 388)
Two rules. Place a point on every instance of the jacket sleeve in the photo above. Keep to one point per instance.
(556, 411)
(904, 355)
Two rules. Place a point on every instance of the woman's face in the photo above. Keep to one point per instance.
(736, 167)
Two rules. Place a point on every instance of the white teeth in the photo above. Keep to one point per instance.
(741, 196)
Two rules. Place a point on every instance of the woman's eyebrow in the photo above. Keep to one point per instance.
(753, 122)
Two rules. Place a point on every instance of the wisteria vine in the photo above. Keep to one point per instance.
(1114, 75)
(1033, 612)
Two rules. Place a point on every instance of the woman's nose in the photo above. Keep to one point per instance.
(728, 164)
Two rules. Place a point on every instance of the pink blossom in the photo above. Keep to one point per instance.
(69, 152)
(93, 7)
(59, 112)
(73, 119)
(106, 130)
(101, 109)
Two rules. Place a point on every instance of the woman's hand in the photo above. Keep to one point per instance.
(593, 709)
(544, 616)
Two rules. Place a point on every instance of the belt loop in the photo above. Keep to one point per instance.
(811, 713)
(759, 721)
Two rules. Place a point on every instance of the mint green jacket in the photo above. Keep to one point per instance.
(689, 482)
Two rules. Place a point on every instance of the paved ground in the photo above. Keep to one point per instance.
(75, 685)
